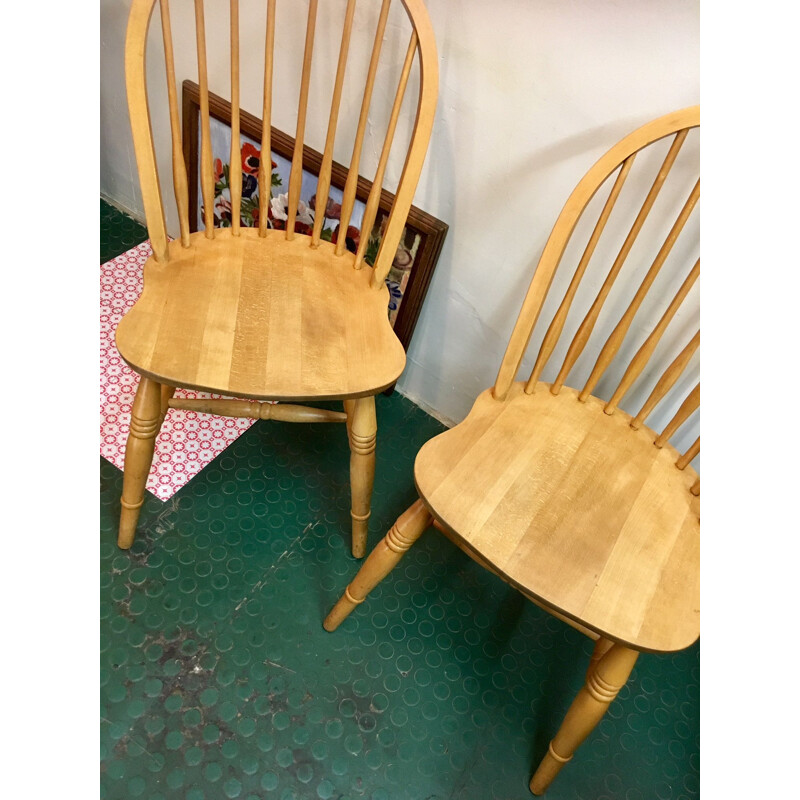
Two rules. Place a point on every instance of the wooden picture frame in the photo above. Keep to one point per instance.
(423, 230)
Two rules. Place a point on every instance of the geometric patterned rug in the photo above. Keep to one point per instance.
(187, 441)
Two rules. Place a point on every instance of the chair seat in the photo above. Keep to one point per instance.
(263, 318)
(575, 508)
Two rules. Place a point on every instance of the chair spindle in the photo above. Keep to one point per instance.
(296, 174)
(206, 159)
(586, 327)
(371, 209)
(235, 171)
(695, 490)
(684, 460)
(349, 194)
(642, 356)
(614, 341)
(557, 325)
(666, 381)
(688, 407)
(265, 164)
(179, 177)
(324, 179)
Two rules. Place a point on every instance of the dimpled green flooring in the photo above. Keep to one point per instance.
(218, 681)
(118, 232)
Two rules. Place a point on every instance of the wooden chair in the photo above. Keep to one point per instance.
(587, 511)
(262, 313)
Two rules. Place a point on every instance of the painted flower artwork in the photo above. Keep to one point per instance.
(278, 209)
(251, 160)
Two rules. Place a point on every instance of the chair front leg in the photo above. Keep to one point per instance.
(607, 674)
(382, 560)
(363, 430)
(146, 418)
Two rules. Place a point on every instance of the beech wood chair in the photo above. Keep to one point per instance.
(261, 313)
(587, 511)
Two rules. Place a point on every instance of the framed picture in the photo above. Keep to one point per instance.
(422, 238)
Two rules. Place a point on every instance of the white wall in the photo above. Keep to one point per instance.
(532, 93)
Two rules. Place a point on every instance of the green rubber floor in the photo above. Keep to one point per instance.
(218, 680)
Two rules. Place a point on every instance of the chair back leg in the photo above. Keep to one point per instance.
(605, 677)
(382, 560)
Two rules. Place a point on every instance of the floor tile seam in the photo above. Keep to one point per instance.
(152, 529)
(259, 584)
(127, 736)
(229, 618)
(466, 772)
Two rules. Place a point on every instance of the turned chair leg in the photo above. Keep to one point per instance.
(382, 560)
(362, 429)
(146, 418)
(608, 672)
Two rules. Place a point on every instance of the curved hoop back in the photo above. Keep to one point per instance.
(619, 159)
(421, 44)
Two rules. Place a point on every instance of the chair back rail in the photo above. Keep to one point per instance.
(422, 49)
(618, 161)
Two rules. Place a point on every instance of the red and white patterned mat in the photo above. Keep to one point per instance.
(187, 441)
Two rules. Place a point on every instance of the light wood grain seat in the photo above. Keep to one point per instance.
(270, 313)
(264, 318)
(574, 507)
(591, 514)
